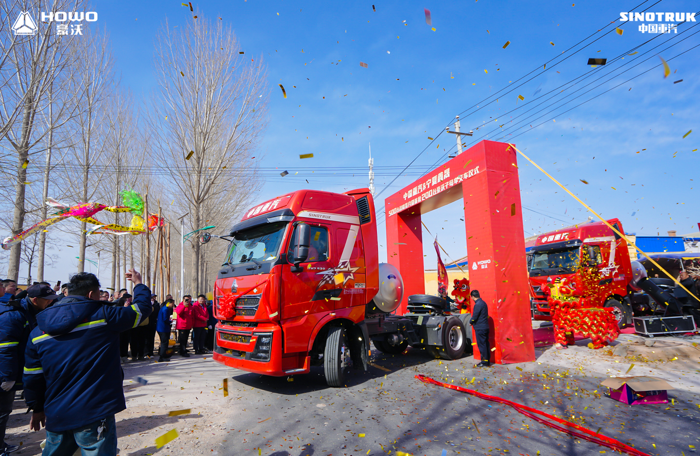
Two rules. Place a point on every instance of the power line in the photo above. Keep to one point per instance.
(442, 130)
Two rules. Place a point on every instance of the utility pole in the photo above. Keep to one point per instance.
(182, 255)
(459, 136)
(371, 172)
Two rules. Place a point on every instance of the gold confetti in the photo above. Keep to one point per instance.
(667, 69)
(225, 387)
(628, 370)
(584, 181)
(180, 412)
(306, 156)
(506, 45)
(166, 438)
(522, 98)
(360, 435)
(26, 162)
(619, 31)
(189, 155)
(684, 136)
(284, 92)
(183, 74)
(552, 43)
(477, 429)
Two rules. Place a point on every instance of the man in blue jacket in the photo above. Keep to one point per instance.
(17, 319)
(73, 375)
(480, 323)
(163, 327)
(10, 287)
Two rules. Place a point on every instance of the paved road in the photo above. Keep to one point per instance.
(386, 411)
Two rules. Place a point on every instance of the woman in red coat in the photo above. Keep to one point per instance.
(200, 324)
(185, 322)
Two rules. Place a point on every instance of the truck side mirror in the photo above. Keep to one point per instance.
(592, 261)
(302, 240)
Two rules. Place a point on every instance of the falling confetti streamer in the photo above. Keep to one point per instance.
(284, 173)
(676, 82)
(363, 65)
(189, 155)
(552, 43)
(191, 9)
(428, 19)
(597, 61)
(180, 412)
(619, 31)
(584, 181)
(506, 45)
(522, 98)
(225, 387)
(166, 438)
(686, 135)
(302, 156)
(284, 92)
(25, 164)
(667, 70)
(374, 9)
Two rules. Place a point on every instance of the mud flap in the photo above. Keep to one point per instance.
(359, 345)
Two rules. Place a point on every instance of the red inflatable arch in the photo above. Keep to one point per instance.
(485, 178)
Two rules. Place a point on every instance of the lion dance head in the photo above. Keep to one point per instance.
(461, 293)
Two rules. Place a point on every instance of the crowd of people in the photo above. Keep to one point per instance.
(73, 382)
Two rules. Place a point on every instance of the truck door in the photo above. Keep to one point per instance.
(306, 293)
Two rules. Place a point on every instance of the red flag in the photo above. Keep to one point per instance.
(442, 273)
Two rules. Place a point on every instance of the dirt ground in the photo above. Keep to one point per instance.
(196, 383)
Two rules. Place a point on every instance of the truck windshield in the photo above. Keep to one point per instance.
(554, 261)
(257, 244)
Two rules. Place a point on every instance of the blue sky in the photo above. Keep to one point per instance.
(418, 79)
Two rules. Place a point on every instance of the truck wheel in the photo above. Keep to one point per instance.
(619, 310)
(386, 348)
(336, 357)
(453, 339)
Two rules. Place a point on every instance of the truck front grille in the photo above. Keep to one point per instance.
(239, 338)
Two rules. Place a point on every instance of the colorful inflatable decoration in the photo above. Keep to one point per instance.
(573, 314)
(461, 293)
(84, 212)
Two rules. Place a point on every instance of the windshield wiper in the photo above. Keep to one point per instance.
(258, 264)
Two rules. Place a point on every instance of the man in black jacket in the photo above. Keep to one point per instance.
(691, 305)
(480, 323)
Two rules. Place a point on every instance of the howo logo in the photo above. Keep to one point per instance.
(24, 25)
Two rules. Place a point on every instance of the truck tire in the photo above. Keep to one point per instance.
(335, 357)
(454, 339)
(620, 311)
(388, 349)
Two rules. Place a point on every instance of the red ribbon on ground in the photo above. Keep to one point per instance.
(567, 426)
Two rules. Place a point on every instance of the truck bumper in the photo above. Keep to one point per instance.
(258, 350)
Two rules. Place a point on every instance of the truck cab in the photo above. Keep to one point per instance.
(591, 256)
(297, 267)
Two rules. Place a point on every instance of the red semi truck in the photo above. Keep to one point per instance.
(302, 286)
(574, 251)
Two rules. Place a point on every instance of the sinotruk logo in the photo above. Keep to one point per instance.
(24, 25)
